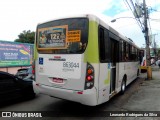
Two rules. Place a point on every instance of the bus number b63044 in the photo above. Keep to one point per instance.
(70, 65)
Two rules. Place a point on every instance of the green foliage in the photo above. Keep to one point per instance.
(26, 37)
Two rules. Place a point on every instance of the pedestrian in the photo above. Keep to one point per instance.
(152, 61)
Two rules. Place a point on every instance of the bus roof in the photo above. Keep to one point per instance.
(99, 20)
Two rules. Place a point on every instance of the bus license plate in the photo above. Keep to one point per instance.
(57, 80)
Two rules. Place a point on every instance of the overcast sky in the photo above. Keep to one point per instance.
(19, 15)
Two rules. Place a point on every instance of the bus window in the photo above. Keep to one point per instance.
(104, 45)
(64, 36)
(125, 54)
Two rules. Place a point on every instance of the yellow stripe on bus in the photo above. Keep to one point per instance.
(107, 80)
(91, 54)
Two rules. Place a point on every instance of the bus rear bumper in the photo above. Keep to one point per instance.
(86, 97)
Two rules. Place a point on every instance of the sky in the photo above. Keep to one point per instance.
(20, 15)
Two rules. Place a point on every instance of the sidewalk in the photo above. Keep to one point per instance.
(147, 98)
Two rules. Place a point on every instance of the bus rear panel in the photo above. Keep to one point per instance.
(61, 69)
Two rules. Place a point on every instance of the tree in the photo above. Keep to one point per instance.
(26, 37)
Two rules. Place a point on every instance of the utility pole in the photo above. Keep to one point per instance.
(154, 45)
(148, 63)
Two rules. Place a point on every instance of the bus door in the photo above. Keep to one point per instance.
(114, 44)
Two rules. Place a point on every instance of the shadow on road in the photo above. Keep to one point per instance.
(15, 101)
(62, 108)
(68, 108)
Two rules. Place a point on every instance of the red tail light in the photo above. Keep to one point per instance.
(33, 71)
(33, 68)
(89, 82)
(89, 78)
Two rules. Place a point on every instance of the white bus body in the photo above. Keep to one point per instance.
(90, 77)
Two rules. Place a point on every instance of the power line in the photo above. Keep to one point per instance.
(139, 24)
(126, 5)
(136, 13)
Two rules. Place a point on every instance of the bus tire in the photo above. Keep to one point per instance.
(137, 72)
(123, 86)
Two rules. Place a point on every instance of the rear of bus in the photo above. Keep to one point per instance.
(65, 53)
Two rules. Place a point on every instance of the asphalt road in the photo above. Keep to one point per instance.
(54, 105)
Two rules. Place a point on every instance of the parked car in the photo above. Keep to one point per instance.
(12, 87)
(25, 73)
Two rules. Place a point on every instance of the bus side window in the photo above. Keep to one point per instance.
(125, 56)
(104, 45)
(120, 50)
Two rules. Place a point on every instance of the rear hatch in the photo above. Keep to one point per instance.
(61, 44)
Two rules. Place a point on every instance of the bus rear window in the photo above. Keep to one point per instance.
(65, 36)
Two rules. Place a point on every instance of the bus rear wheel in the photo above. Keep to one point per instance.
(137, 73)
(123, 86)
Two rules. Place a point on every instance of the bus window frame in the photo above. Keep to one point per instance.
(54, 50)
(106, 52)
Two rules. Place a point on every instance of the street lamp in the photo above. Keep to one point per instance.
(114, 20)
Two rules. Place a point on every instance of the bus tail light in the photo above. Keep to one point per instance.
(89, 78)
(90, 71)
(33, 70)
(89, 81)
